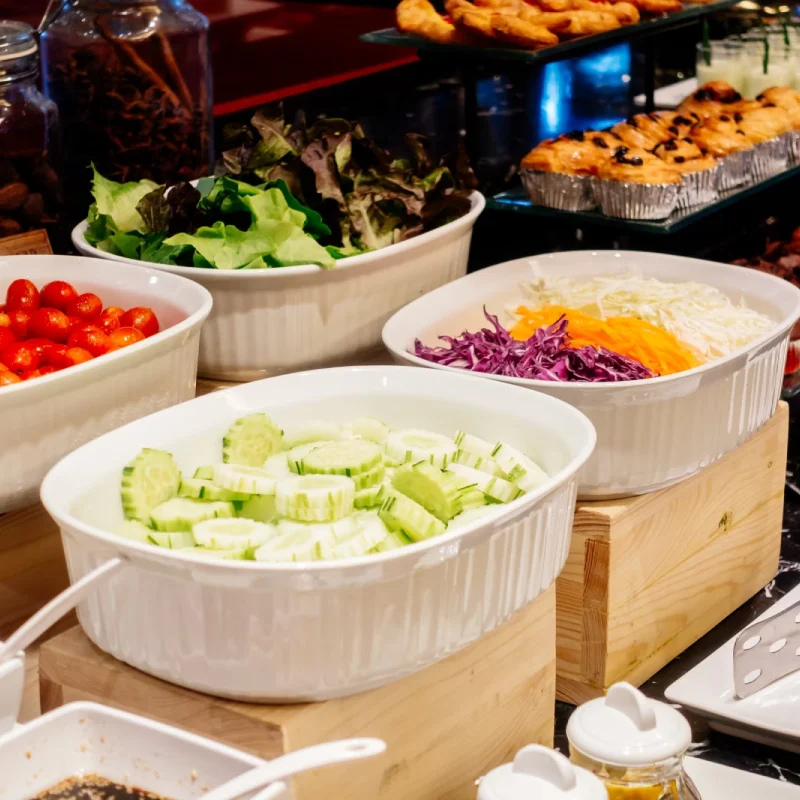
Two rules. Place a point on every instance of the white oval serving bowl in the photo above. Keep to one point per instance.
(270, 321)
(311, 631)
(44, 419)
(650, 433)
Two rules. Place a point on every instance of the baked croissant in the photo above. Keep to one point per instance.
(720, 137)
(684, 155)
(572, 154)
(641, 130)
(421, 18)
(764, 123)
(785, 98)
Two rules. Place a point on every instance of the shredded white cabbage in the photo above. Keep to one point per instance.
(699, 315)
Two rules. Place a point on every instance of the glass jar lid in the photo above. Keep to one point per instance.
(627, 729)
(540, 773)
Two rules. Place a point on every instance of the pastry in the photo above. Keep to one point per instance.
(519, 31)
(632, 165)
(658, 6)
(684, 155)
(785, 98)
(710, 99)
(421, 18)
(642, 130)
(676, 122)
(720, 136)
(763, 123)
(572, 154)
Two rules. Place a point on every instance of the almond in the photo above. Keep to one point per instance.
(12, 196)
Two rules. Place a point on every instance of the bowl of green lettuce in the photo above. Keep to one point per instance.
(309, 240)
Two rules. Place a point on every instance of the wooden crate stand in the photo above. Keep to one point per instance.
(647, 576)
(445, 726)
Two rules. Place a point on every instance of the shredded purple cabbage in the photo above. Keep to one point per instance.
(546, 356)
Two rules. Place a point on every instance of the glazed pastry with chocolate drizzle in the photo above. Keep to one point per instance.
(764, 122)
(632, 165)
(711, 99)
(642, 130)
(684, 155)
(785, 98)
(578, 153)
(677, 123)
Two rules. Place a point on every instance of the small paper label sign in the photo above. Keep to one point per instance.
(26, 244)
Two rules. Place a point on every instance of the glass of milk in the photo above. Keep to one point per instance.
(721, 61)
(779, 71)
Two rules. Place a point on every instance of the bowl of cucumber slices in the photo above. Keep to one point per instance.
(318, 534)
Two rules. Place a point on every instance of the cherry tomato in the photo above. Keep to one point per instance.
(22, 295)
(57, 357)
(124, 337)
(47, 369)
(58, 294)
(41, 347)
(19, 357)
(34, 373)
(5, 320)
(7, 378)
(86, 306)
(6, 338)
(114, 311)
(49, 323)
(142, 319)
(107, 323)
(90, 338)
(77, 355)
(19, 323)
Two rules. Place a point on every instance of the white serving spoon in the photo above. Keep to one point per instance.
(320, 755)
(46, 617)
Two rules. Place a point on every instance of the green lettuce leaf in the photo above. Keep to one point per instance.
(271, 205)
(293, 247)
(314, 225)
(119, 200)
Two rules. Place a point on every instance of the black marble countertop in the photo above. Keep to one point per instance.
(709, 744)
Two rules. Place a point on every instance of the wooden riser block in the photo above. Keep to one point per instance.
(445, 726)
(647, 576)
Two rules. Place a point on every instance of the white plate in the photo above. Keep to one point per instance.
(670, 96)
(771, 716)
(718, 782)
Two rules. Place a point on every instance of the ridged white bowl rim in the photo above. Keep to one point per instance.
(412, 317)
(375, 258)
(94, 270)
(399, 561)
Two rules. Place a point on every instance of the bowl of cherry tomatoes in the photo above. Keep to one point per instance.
(85, 349)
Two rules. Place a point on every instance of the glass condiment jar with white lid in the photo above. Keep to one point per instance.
(633, 744)
(538, 773)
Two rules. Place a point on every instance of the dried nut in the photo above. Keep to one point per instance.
(9, 227)
(12, 196)
(8, 174)
(33, 207)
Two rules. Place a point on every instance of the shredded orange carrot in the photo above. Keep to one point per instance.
(650, 345)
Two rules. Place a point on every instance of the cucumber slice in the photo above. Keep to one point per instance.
(251, 440)
(316, 431)
(436, 491)
(366, 480)
(522, 470)
(393, 541)
(206, 490)
(181, 513)
(296, 546)
(238, 478)
(316, 530)
(473, 444)
(415, 445)
(135, 530)
(484, 464)
(350, 457)
(295, 456)
(365, 539)
(149, 480)
(233, 554)
(172, 540)
(260, 507)
(315, 498)
(466, 517)
(371, 429)
(401, 513)
(367, 498)
(472, 497)
(204, 473)
(277, 466)
(496, 488)
(225, 534)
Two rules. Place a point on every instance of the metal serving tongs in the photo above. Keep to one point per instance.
(12, 660)
(766, 651)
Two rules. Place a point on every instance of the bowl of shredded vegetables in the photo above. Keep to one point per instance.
(675, 360)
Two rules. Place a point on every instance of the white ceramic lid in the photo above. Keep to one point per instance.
(627, 729)
(543, 774)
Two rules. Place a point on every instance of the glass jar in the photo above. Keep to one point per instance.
(633, 744)
(132, 81)
(720, 61)
(30, 162)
